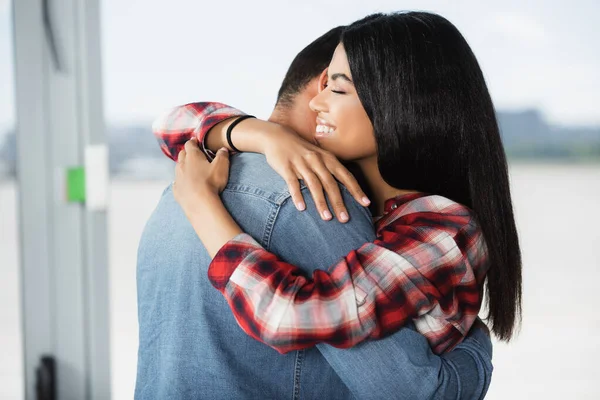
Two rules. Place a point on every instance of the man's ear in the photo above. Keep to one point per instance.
(316, 85)
(322, 80)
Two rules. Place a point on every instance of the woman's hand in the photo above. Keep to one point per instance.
(196, 189)
(294, 158)
(196, 178)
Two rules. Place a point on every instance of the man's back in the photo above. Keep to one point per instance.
(192, 347)
(190, 344)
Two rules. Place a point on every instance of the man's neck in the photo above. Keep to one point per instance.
(297, 115)
(295, 119)
(281, 116)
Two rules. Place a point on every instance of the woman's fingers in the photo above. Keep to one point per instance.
(181, 156)
(195, 174)
(221, 160)
(219, 169)
(193, 155)
(291, 179)
(191, 145)
(332, 189)
(222, 157)
(316, 190)
(348, 180)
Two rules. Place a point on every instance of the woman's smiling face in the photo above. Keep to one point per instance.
(343, 127)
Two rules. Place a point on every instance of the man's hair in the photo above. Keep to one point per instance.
(308, 64)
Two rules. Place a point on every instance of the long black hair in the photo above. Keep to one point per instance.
(436, 132)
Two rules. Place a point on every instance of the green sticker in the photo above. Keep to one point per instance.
(76, 184)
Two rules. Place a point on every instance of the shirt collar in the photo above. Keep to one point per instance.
(395, 202)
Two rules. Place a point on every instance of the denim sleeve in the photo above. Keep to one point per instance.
(400, 366)
(467, 370)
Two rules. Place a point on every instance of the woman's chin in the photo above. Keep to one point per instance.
(329, 144)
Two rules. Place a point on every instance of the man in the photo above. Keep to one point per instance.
(190, 344)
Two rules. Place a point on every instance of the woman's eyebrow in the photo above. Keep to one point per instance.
(342, 76)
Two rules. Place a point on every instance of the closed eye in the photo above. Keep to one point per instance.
(325, 85)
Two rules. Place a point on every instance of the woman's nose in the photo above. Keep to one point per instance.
(317, 103)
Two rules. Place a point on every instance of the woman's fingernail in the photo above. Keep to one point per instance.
(300, 206)
(343, 216)
(327, 215)
(366, 201)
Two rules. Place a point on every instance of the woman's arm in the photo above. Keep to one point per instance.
(415, 269)
(370, 293)
(250, 135)
(289, 155)
(293, 158)
(180, 124)
(422, 265)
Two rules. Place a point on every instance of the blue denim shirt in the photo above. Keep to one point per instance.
(190, 346)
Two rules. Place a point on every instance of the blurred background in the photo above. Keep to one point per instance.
(541, 61)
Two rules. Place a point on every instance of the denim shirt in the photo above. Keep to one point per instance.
(190, 346)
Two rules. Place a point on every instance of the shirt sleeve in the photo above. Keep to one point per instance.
(192, 120)
(408, 272)
(371, 369)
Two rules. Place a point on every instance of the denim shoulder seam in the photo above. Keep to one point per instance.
(273, 201)
(168, 188)
(273, 214)
(272, 197)
(279, 198)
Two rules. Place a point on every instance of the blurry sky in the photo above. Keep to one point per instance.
(158, 54)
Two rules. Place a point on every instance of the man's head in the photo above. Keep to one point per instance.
(301, 82)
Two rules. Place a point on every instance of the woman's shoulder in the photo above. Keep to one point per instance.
(434, 212)
(437, 204)
(430, 203)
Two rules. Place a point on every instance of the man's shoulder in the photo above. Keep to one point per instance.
(250, 174)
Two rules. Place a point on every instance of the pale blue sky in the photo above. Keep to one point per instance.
(159, 54)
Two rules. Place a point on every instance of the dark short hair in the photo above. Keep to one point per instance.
(436, 132)
(308, 64)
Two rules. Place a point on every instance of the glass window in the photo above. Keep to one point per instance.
(540, 60)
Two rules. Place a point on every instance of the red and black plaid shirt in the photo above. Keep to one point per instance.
(193, 120)
(427, 264)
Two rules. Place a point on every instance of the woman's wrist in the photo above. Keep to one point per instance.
(216, 136)
(200, 204)
(212, 222)
(252, 134)
(249, 135)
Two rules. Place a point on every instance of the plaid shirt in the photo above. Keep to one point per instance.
(192, 120)
(427, 264)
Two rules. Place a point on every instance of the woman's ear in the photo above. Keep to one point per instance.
(323, 80)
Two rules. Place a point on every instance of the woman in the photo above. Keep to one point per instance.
(405, 99)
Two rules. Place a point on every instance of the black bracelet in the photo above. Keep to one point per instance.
(230, 128)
